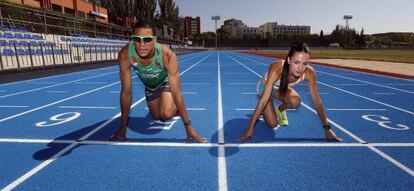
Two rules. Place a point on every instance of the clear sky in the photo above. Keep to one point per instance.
(375, 16)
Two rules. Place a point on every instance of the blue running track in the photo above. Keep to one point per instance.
(54, 132)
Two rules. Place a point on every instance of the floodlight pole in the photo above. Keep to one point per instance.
(215, 18)
(346, 17)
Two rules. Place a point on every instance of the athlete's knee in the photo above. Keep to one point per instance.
(155, 116)
(294, 101)
(272, 124)
(166, 114)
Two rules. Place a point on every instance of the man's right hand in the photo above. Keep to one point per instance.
(192, 134)
(119, 135)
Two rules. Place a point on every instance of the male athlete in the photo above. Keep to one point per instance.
(157, 67)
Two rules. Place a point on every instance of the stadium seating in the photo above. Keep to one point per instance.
(20, 48)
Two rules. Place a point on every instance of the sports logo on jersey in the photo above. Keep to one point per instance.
(134, 61)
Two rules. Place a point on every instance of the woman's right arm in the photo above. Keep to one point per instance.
(273, 76)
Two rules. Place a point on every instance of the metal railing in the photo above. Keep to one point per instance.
(18, 56)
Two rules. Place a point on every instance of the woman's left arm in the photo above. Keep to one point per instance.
(317, 103)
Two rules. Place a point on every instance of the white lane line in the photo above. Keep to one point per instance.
(86, 107)
(56, 102)
(371, 83)
(26, 91)
(26, 81)
(192, 93)
(48, 77)
(55, 91)
(380, 93)
(392, 160)
(385, 156)
(21, 179)
(399, 84)
(193, 83)
(200, 73)
(196, 109)
(252, 109)
(236, 73)
(357, 95)
(250, 83)
(320, 93)
(388, 105)
(254, 72)
(253, 60)
(189, 109)
(353, 109)
(42, 165)
(178, 144)
(13, 106)
(91, 83)
(42, 82)
(350, 84)
(248, 93)
(222, 169)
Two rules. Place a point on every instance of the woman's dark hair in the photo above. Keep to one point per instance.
(284, 81)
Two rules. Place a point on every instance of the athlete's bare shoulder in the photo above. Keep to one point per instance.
(276, 67)
(166, 51)
(123, 57)
(310, 73)
(123, 53)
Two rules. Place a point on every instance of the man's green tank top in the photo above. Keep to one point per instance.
(154, 75)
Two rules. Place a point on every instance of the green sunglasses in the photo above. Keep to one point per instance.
(145, 39)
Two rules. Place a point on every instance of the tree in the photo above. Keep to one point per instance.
(343, 36)
(117, 8)
(169, 15)
(360, 41)
(321, 34)
(144, 9)
(222, 33)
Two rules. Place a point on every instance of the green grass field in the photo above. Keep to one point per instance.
(381, 55)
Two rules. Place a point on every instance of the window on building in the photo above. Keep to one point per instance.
(81, 14)
(69, 11)
(56, 8)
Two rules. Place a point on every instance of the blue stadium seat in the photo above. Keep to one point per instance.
(12, 42)
(18, 35)
(41, 43)
(23, 43)
(22, 52)
(39, 51)
(3, 43)
(48, 51)
(33, 43)
(8, 52)
(27, 36)
(32, 51)
(8, 35)
(37, 37)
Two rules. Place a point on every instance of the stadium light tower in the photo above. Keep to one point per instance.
(215, 18)
(347, 17)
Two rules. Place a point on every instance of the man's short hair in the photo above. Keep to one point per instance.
(144, 24)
